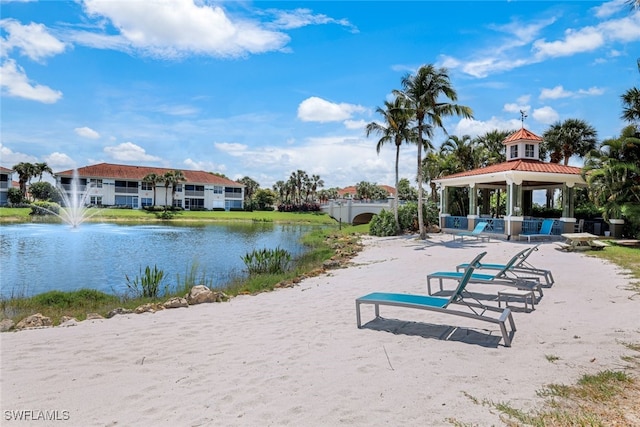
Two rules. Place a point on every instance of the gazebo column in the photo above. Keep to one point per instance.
(568, 219)
(514, 217)
(444, 205)
(473, 202)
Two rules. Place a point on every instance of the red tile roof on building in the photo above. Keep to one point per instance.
(137, 173)
(352, 190)
(522, 134)
(521, 166)
(5, 170)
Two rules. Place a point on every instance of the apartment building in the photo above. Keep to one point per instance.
(5, 185)
(109, 184)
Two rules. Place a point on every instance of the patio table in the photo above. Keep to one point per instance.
(581, 241)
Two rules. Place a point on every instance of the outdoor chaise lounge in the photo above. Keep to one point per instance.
(545, 231)
(504, 277)
(476, 232)
(520, 267)
(474, 310)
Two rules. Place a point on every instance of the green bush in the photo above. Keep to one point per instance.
(45, 208)
(383, 224)
(63, 300)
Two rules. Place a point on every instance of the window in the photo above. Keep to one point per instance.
(95, 183)
(146, 201)
(513, 152)
(217, 189)
(146, 186)
(179, 188)
(126, 186)
(177, 203)
(95, 200)
(529, 150)
(131, 201)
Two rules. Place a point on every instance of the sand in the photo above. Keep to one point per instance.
(295, 357)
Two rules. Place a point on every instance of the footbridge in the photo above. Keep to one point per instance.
(356, 212)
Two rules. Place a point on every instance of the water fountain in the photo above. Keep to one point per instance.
(74, 202)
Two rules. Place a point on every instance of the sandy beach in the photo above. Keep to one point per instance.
(295, 356)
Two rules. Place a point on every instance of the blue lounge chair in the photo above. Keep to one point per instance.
(475, 310)
(504, 277)
(545, 231)
(520, 267)
(476, 232)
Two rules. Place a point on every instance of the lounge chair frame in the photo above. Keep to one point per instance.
(442, 304)
(476, 232)
(521, 266)
(545, 231)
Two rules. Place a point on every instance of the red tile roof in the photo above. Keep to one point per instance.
(109, 170)
(352, 190)
(519, 165)
(5, 170)
(522, 134)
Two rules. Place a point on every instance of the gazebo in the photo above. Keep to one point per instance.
(519, 177)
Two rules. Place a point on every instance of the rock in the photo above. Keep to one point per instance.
(117, 311)
(148, 308)
(68, 321)
(176, 302)
(94, 316)
(200, 294)
(34, 321)
(331, 263)
(6, 325)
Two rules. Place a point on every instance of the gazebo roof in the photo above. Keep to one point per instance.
(530, 173)
(522, 134)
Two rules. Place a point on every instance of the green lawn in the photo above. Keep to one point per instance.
(22, 215)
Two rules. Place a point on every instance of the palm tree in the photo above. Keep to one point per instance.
(177, 176)
(396, 129)
(423, 93)
(462, 149)
(492, 146)
(25, 172)
(316, 182)
(40, 169)
(631, 102)
(569, 138)
(153, 179)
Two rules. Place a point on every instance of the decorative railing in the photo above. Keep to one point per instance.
(494, 225)
(456, 222)
(194, 193)
(532, 226)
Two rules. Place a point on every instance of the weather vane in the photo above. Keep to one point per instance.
(523, 116)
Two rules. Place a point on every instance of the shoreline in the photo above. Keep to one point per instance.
(295, 356)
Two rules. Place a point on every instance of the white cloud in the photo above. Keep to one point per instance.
(33, 40)
(546, 115)
(59, 161)
(15, 83)
(10, 158)
(515, 108)
(355, 124)
(583, 40)
(559, 92)
(316, 109)
(231, 148)
(298, 18)
(609, 8)
(475, 128)
(173, 28)
(87, 132)
(129, 152)
(204, 166)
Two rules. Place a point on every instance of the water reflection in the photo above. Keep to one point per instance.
(36, 258)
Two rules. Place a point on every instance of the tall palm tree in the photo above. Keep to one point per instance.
(396, 128)
(462, 149)
(154, 179)
(492, 145)
(40, 169)
(316, 183)
(631, 103)
(177, 176)
(427, 95)
(25, 172)
(569, 138)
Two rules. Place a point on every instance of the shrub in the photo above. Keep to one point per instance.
(45, 208)
(267, 261)
(383, 224)
(147, 284)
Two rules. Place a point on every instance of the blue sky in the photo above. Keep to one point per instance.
(264, 88)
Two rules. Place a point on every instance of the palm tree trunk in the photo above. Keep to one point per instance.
(423, 234)
(395, 205)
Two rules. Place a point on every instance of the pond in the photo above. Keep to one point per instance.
(36, 258)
